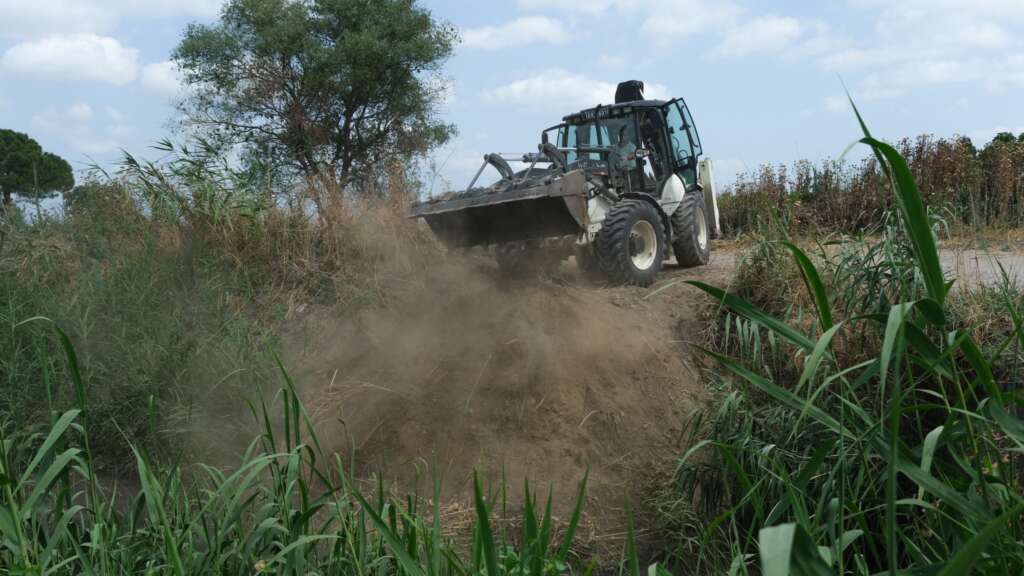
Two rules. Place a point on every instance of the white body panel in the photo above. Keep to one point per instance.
(705, 176)
(672, 192)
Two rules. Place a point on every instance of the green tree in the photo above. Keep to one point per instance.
(1004, 138)
(26, 170)
(334, 87)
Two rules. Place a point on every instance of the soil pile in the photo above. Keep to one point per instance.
(540, 379)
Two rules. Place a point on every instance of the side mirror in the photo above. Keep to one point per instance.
(544, 138)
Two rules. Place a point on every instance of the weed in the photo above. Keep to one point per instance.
(892, 446)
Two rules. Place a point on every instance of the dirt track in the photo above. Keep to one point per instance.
(541, 379)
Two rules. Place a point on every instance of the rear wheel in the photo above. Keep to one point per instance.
(630, 246)
(691, 244)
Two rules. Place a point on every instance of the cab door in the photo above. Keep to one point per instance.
(683, 139)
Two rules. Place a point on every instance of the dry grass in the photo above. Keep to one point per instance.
(969, 189)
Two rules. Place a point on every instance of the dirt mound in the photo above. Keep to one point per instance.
(539, 379)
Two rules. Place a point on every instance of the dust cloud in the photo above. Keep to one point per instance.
(467, 370)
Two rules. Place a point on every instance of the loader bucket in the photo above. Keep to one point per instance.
(514, 214)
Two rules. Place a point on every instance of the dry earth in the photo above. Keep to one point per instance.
(544, 379)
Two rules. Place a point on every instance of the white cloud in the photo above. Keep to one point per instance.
(669, 20)
(518, 32)
(567, 89)
(591, 7)
(77, 127)
(74, 57)
(32, 18)
(769, 34)
(611, 61)
(663, 20)
(80, 112)
(836, 103)
(163, 78)
(114, 114)
(918, 43)
(28, 18)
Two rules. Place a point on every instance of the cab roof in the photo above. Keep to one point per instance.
(612, 109)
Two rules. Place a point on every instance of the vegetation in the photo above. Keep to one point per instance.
(869, 424)
(173, 280)
(868, 419)
(970, 188)
(337, 89)
(287, 508)
(26, 170)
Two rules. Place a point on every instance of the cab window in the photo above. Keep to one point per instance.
(692, 128)
(682, 148)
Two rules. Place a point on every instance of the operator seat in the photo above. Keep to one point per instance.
(652, 126)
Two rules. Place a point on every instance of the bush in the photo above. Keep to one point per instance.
(975, 189)
(888, 445)
(172, 279)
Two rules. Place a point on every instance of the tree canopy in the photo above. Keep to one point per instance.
(333, 87)
(27, 170)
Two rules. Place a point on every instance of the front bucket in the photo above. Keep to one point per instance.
(556, 209)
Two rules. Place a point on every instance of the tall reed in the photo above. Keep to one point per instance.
(889, 447)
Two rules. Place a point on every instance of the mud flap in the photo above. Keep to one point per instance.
(555, 209)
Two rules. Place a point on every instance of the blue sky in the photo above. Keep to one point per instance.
(89, 77)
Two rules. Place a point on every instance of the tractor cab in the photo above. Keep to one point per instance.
(636, 144)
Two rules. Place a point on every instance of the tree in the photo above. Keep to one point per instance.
(1004, 138)
(334, 87)
(26, 170)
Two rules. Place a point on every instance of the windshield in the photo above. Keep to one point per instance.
(604, 133)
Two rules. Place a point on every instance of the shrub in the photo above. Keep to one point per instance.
(890, 444)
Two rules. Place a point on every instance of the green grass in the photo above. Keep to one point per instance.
(157, 325)
(286, 508)
(889, 445)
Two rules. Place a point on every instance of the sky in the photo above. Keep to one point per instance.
(764, 80)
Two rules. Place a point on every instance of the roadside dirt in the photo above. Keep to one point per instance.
(541, 379)
(976, 266)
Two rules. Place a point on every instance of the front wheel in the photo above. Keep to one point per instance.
(690, 228)
(631, 243)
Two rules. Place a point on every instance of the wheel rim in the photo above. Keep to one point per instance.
(643, 244)
(702, 229)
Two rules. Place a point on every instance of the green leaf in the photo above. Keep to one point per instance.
(632, 559)
(570, 532)
(787, 550)
(1009, 423)
(56, 431)
(409, 564)
(815, 287)
(968, 555)
(931, 441)
(484, 528)
(915, 218)
(748, 310)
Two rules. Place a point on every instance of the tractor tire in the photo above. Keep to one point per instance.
(630, 246)
(691, 244)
